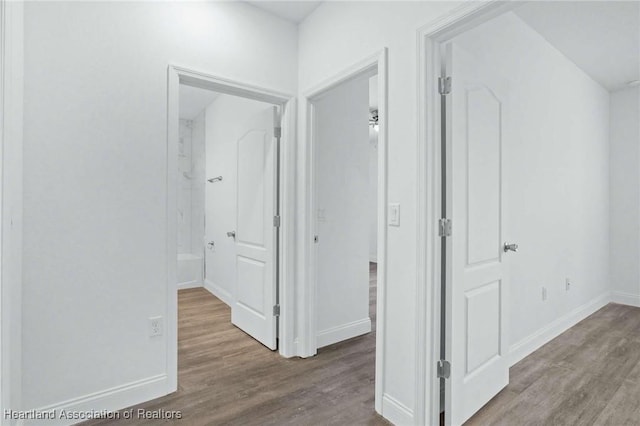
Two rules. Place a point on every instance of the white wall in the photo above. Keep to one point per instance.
(95, 177)
(372, 203)
(373, 174)
(227, 121)
(335, 37)
(342, 201)
(625, 196)
(556, 172)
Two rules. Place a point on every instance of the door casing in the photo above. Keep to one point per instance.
(428, 295)
(286, 254)
(11, 198)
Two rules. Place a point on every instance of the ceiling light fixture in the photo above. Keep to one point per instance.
(373, 119)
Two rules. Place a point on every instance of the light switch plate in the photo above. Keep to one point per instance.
(394, 214)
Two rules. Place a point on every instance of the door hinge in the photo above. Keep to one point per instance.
(277, 132)
(276, 310)
(444, 369)
(444, 227)
(444, 85)
(315, 239)
(276, 221)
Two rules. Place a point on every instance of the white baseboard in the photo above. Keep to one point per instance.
(189, 284)
(343, 332)
(536, 340)
(396, 412)
(625, 298)
(100, 403)
(219, 292)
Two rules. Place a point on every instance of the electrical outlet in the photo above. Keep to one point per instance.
(544, 293)
(155, 326)
(567, 284)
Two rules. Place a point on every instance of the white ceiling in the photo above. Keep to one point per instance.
(294, 11)
(193, 100)
(600, 37)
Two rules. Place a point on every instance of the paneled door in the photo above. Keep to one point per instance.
(255, 234)
(477, 283)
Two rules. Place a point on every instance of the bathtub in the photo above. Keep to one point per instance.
(190, 270)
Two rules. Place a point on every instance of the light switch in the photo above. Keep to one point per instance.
(394, 214)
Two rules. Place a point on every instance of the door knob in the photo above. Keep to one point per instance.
(510, 247)
(231, 234)
(211, 244)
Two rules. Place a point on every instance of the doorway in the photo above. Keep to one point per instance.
(510, 166)
(228, 205)
(346, 195)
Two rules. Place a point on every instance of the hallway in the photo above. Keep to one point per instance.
(226, 377)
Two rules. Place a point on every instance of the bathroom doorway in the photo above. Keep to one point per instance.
(230, 203)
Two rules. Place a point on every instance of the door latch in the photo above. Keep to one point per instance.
(510, 247)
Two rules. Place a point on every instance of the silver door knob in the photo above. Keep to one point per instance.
(211, 244)
(231, 234)
(510, 247)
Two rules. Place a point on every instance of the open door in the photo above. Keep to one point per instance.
(477, 287)
(255, 299)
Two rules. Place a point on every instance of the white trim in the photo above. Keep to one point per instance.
(11, 139)
(189, 284)
(177, 75)
(343, 332)
(219, 292)
(396, 412)
(108, 400)
(533, 342)
(625, 298)
(308, 343)
(457, 20)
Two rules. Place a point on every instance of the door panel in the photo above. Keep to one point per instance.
(477, 285)
(255, 290)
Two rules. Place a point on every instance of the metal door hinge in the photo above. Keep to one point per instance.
(444, 85)
(444, 369)
(444, 227)
(315, 239)
(276, 310)
(277, 132)
(276, 221)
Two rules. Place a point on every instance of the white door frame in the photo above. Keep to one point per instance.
(11, 132)
(307, 343)
(286, 258)
(430, 39)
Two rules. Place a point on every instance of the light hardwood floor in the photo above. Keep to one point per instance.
(227, 378)
(589, 375)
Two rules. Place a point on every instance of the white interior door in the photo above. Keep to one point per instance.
(477, 286)
(255, 238)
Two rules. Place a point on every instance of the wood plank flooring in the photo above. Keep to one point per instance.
(227, 378)
(589, 375)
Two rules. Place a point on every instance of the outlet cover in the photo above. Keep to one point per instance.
(155, 326)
